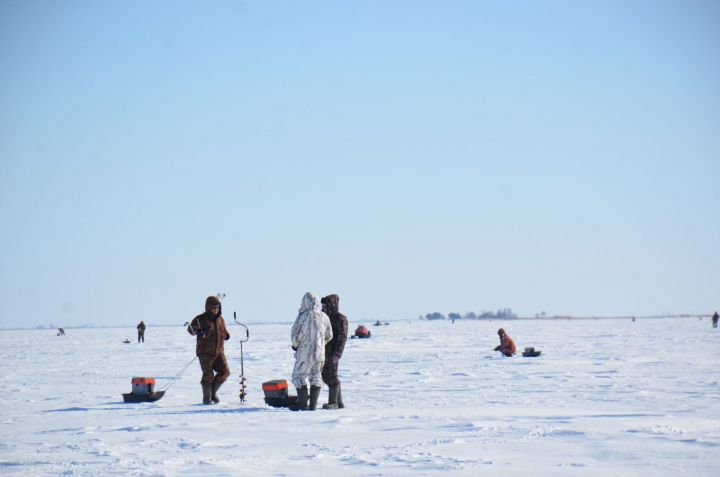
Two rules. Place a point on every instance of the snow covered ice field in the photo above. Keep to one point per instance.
(607, 397)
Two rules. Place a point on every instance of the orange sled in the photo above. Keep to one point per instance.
(143, 390)
(276, 393)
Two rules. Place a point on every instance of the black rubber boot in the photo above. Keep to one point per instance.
(216, 385)
(340, 404)
(302, 400)
(314, 395)
(332, 398)
(207, 393)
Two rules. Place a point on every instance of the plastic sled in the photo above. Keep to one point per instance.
(152, 397)
(286, 401)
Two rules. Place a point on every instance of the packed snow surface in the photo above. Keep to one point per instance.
(606, 397)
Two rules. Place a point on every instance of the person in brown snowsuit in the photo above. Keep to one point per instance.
(141, 331)
(507, 345)
(211, 333)
(334, 350)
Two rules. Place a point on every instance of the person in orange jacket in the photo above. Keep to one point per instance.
(507, 345)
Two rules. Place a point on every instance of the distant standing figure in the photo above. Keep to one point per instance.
(334, 350)
(310, 333)
(507, 345)
(715, 320)
(211, 333)
(141, 331)
(61, 331)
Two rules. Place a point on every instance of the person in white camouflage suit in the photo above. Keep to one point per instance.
(310, 334)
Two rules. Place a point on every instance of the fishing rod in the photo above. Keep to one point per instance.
(242, 367)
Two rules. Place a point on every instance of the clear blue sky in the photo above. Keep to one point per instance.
(410, 156)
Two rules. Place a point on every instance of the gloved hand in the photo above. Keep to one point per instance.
(294, 348)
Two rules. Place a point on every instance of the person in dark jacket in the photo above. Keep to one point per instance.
(715, 320)
(141, 331)
(211, 333)
(334, 350)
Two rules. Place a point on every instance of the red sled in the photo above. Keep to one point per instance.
(143, 390)
(361, 332)
(276, 393)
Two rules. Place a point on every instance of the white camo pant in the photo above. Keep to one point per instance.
(307, 369)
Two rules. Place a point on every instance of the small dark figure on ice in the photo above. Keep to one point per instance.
(507, 345)
(61, 331)
(211, 333)
(334, 350)
(715, 320)
(141, 331)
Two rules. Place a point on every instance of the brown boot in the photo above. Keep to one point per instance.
(207, 393)
(216, 385)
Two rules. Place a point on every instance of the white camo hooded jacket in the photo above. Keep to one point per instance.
(311, 331)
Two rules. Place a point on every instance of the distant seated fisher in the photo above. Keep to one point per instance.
(507, 345)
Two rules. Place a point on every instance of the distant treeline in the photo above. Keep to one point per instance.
(503, 313)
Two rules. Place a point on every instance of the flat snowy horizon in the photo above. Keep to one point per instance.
(607, 397)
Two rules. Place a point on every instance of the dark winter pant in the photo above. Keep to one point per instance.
(216, 363)
(330, 372)
(503, 351)
(141, 336)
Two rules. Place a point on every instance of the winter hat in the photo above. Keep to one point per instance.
(212, 301)
(501, 331)
(331, 302)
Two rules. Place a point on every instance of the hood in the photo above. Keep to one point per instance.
(332, 303)
(309, 302)
(212, 300)
(501, 332)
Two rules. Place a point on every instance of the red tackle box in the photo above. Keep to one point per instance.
(276, 393)
(143, 385)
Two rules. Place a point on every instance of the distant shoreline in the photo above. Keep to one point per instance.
(372, 321)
